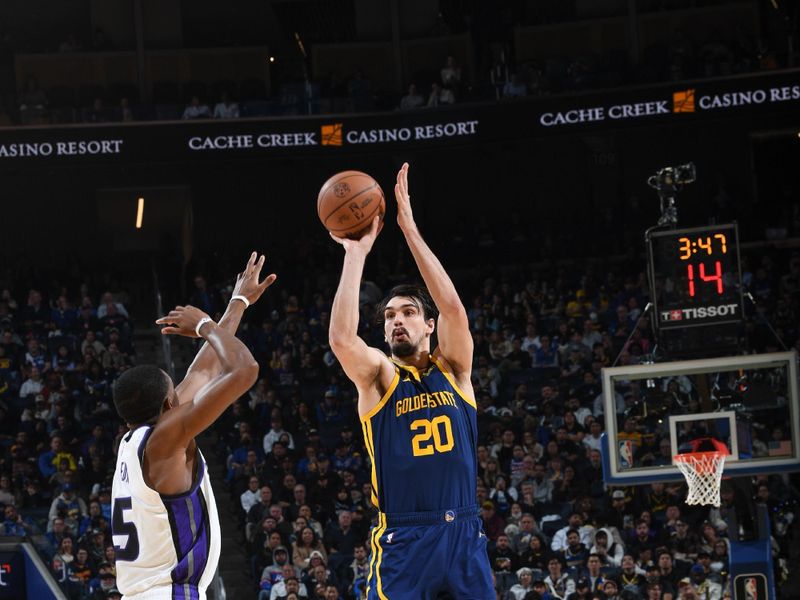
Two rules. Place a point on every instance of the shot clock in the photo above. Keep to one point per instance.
(695, 275)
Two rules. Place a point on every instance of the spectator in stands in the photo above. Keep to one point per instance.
(504, 562)
(49, 461)
(101, 586)
(275, 433)
(98, 112)
(631, 579)
(288, 585)
(358, 570)
(34, 384)
(605, 546)
(641, 538)
(274, 572)
(106, 301)
(125, 111)
(13, 523)
(559, 584)
(226, 108)
(536, 555)
(413, 99)
(575, 522)
(514, 88)
(450, 73)
(611, 590)
(519, 590)
(306, 546)
(196, 110)
(252, 495)
(69, 507)
(32, 100)
(720, 561)
(667, 573)
(493, 523)
(65, 550)
(341, 538)
(527, 529)
(440, 96)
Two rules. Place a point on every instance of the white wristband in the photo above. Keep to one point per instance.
(242, 298)
(200, 323)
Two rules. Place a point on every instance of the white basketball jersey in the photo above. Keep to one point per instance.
(166, 546)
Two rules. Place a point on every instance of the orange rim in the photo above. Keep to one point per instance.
(702, 462)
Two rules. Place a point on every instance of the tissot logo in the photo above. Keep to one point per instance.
(701, 312)
(671, 315)
(683, 101)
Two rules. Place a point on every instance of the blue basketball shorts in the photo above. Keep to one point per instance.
(415, 556)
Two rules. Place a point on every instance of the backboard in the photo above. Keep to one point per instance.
(652, 411)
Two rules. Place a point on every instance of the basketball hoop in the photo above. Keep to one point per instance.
(703, 471)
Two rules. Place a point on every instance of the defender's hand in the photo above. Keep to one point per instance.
(405, 218)
(247, 284)
(363, 245)
(182, 320)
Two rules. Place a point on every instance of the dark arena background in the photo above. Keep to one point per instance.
(612, 186)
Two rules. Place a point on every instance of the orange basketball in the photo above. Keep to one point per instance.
(348, 202)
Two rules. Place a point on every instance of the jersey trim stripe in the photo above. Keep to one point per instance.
(184, 592)
(372, 557)
(377, 553)
(142, 446)
(367, 427)
(190, 527)
(385, 399)
(382, 520)
(409, 369)
(452, 380)
(207, 529)
(198, 478)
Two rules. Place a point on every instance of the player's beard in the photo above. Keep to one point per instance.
(404, 348)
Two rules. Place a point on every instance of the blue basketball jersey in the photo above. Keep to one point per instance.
(422, 439)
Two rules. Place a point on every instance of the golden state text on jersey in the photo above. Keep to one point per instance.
(422, 439)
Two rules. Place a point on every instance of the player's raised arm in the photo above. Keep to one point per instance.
(205, 365)
(361, 363)
(455, 340)
(238, 372)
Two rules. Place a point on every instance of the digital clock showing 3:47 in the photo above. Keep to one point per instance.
(695, 276)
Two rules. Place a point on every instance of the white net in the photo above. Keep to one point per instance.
(703, 473)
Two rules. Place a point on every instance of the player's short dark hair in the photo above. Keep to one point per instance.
(139, 393)
(417, 293)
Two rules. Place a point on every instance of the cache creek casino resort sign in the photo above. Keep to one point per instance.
(771, 96)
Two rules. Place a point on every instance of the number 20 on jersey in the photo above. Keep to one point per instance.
(434, 435)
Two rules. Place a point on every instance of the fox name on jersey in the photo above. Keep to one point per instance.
(167, 546)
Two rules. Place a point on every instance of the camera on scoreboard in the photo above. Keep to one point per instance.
(669, 176)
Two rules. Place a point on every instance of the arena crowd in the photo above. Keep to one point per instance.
(294, 455)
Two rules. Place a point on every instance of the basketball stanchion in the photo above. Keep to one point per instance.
(703, 471)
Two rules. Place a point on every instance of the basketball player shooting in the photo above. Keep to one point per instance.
(418, 414)
(164, 519)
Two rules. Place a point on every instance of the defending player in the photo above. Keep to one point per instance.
(420, 426)
(164, 519)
